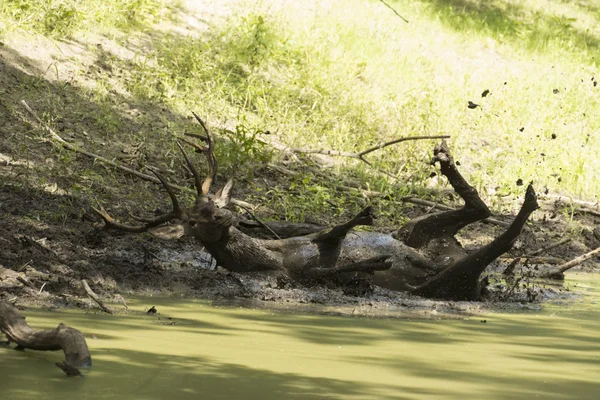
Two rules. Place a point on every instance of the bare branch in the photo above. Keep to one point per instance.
(95, 297)
(360, 155)
(394, 10)
(561, 269)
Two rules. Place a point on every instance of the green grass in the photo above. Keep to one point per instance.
(63, 18)
(348, 75)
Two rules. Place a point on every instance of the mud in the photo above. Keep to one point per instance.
(43, 264)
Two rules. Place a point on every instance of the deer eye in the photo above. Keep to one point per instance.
(192, 224)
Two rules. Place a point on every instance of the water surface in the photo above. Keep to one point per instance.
(210, 352)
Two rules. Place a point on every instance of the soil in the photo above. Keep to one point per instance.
(49, 240)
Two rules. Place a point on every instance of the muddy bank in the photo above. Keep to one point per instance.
(42, 264)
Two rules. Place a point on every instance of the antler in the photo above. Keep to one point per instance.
(202, 188)
(177, 212)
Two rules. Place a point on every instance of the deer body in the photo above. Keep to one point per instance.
(238, 252)
(423, 257)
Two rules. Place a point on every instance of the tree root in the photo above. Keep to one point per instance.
(65, 338)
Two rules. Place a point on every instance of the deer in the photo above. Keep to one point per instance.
(423, 257)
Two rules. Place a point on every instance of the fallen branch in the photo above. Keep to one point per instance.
(104, 160)
(65, 338)
(427, 203)
(558, 273)
(360, 155)
(581, 206)
(27, 283)
(95, 297)
(123, 301)
(549, 247)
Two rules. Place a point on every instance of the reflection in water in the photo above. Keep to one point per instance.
(214, 352)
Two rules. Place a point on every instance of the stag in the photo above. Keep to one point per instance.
(423, 257)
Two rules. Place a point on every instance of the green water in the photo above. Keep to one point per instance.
(237, 353)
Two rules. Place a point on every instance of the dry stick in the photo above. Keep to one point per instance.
(566, 199)
(26, 283)
(141, 175)
(262, 224)
(577, 205)
(95, 297)
(428, 203)
(573, 263)
(360, 155)
(549, 247)
(395, 12)
(123, 301)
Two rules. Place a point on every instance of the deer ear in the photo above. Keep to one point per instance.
(167, 232)
(223, 196)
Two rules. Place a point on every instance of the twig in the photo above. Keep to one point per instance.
(123, 301)
(558, 272)
(26, 283)
(42, 288)
(395, 12)
(141, 175)
(24, 266)
(265, 226)
(360, 155)
(550, 247)
(566, 199)
(95, 297)
(428, 203)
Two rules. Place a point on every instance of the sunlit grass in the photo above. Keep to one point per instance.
(347, 75)
(61, 18)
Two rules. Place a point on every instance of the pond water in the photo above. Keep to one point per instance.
(218, 352)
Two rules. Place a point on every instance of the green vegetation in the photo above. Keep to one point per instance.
(343, 75)
(62, 18)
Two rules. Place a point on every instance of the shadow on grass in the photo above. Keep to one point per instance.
(515, 21)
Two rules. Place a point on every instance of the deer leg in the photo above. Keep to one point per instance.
(336, 234)
(461, 280)
(419, 232)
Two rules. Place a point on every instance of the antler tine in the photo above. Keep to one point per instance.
(110, 222)
(177, 212)
(176, 209)
(197, 180)
(210, 156)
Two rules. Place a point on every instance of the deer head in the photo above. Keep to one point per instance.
(206, 220)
